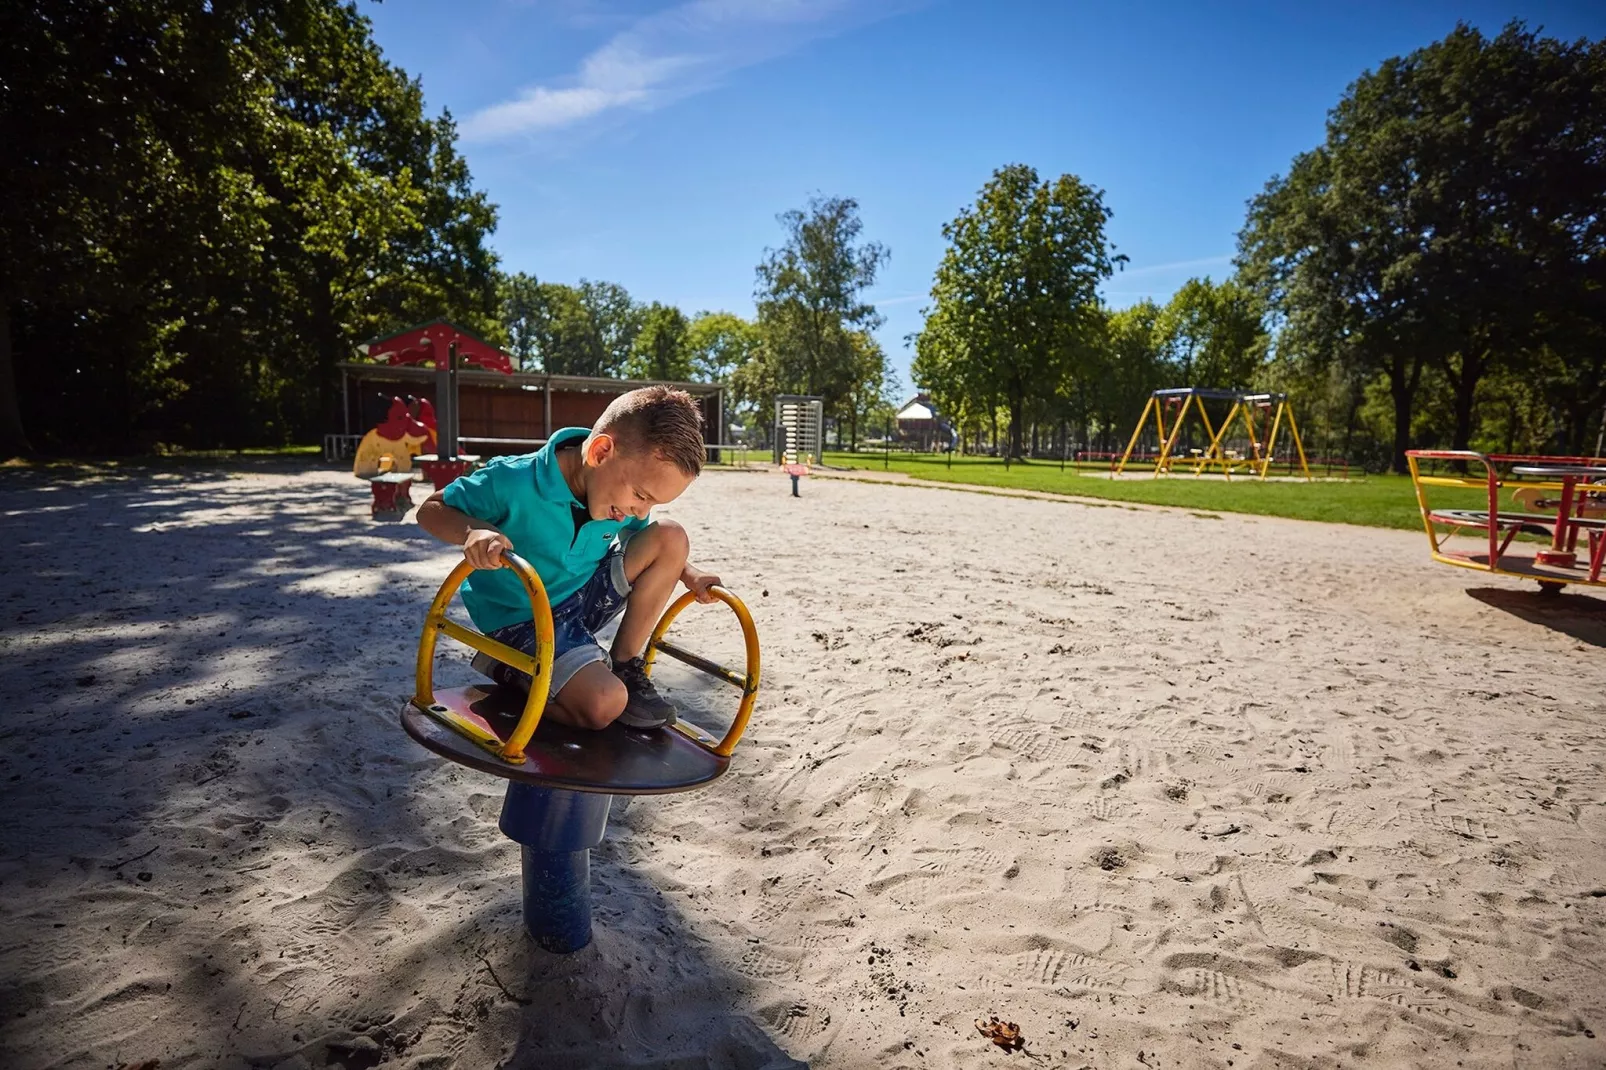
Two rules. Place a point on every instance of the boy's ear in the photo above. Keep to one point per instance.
(599, 449)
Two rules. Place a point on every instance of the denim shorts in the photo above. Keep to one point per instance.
(575, 620)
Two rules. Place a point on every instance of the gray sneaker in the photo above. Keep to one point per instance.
(645, 708)
(506, 675)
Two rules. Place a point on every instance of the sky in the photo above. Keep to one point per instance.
(653, 144)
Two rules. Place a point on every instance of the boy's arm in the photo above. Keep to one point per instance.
(482, 542)
(698, 582)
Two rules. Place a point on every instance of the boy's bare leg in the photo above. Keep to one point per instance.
(593, 698)
(654, 560)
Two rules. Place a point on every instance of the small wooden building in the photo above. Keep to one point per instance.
(498, 412)
(504, 413)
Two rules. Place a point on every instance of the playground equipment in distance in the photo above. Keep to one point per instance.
(1255, 456)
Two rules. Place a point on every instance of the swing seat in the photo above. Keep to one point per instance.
(500, 730)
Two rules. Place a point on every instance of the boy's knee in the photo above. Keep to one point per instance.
(672, 538)
(600, 707)
(663, 543)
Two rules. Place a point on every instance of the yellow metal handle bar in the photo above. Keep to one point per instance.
(747, 681)
(539, 666)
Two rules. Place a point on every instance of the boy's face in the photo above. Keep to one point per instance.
(622, 483)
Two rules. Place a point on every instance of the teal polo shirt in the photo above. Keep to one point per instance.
(528, 499)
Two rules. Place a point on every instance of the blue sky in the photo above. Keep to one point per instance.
(653, 144)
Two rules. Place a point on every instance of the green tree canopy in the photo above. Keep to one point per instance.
(1213, 335)
(810, 304)
(720, 343)
(661, 350)
(618, 320)
(566, 335)
(1454, 219)
(204, 208)
(522, 311)
(1016, 294)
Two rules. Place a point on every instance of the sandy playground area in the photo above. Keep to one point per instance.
(1164, 789)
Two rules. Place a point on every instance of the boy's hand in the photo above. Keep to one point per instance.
(483, 548)
(698, 583)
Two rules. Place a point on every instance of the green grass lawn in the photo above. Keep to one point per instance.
(1375, 501)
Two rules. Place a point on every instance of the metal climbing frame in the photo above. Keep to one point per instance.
(799, 429)
(1250, 407)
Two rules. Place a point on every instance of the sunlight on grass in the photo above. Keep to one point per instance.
(1384, 501)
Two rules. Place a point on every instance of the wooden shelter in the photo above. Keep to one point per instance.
(499, 410)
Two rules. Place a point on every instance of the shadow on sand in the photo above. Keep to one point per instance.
(219, 850)
(1581, 616)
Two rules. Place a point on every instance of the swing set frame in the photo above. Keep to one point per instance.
(1244, 406)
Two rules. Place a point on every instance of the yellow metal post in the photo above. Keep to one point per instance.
(1215, 454)
(1163, 462)
(1254, 443)
(1271, 439)
(1204, 418)
(1136, 431)
(1293, 429)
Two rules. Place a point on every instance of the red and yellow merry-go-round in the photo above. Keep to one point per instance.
(1559, 503)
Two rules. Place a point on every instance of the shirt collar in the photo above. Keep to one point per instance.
(549, 481)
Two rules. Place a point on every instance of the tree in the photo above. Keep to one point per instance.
(873, 386)
(1459, 192)
(618, 320)
(204, 207)
(521, 317)
(1016, 293)
(1128, 367)
(566, 336)
(1213, 334)
(660, 350)
(720, 343)
(810, 303)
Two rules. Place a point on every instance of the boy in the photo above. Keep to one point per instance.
(577, 511)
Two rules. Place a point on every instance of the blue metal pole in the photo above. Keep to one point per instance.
(557, 830)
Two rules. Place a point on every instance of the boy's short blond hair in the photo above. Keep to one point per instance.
(666, 421)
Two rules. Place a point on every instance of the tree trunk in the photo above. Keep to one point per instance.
(1464, 383)
(1404, 374)
(13, 440)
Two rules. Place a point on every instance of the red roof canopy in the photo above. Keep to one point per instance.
(428, 343)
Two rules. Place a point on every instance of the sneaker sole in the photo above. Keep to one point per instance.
(630, 720)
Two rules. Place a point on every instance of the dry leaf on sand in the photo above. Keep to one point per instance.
(1005, 1034)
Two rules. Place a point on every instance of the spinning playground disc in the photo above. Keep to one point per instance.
(498, 730)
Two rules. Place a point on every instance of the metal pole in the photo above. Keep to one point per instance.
(449, 451)
(557, 830)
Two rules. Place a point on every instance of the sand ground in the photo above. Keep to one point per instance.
(1165, 789)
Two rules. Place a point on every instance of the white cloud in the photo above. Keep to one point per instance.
(669, 55)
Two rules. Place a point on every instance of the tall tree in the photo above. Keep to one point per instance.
(1213, 334)
(873, 388)
(1130, 365)
(1017, 289)
(566, 336)
(618, 320)
(521, 317)
(1459, 190)
(810, 302)
(660, 350)
(206, 206)
(720, 343)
